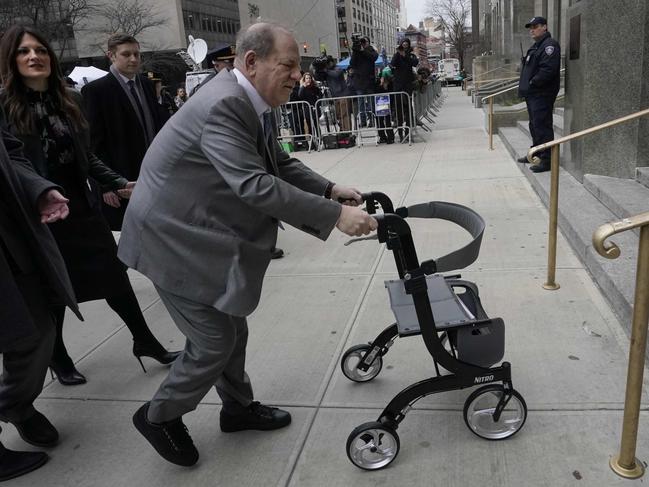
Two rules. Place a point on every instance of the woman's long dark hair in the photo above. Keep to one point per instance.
(14, 98)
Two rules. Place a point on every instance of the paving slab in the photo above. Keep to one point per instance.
(437, 450)
(568, 351)
(581, 365)
(295, 336)
(101, 447)
(101, 322)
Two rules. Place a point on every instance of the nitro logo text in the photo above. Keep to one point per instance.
(486, 378)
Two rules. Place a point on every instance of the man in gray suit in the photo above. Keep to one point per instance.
(201, 224)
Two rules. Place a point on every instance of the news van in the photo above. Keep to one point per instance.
(449, 71)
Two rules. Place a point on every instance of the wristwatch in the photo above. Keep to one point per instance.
(328, 189)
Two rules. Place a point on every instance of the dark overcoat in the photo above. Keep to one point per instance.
(116, 135)
(21, 187)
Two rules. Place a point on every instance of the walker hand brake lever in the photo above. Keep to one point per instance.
(360, 239)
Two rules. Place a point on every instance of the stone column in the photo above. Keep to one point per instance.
(606, 78)
(521, 12)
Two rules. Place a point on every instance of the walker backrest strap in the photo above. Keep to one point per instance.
(462, 216)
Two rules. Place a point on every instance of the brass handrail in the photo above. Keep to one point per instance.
(506, 66)
(479, 80)
(491, 108)
(512, 87)
(625, 463)
(554, 184)
(512, 78)
(491, 112)
(576, 135)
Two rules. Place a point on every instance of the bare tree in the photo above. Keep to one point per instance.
(56, 20)
(454, 16)
(129, 17)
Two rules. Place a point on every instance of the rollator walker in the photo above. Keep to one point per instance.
(446, 311)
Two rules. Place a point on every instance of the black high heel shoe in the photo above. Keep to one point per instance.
(67, 376)
(154, 351)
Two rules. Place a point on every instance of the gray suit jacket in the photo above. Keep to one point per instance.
(203, 217)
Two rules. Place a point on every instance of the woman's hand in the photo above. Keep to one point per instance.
(126, 191)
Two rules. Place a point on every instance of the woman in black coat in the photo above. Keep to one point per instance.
(403, 62)
(47, 118)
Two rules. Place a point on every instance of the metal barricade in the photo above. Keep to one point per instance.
(297, 126)
(425, 102)
(379, 117)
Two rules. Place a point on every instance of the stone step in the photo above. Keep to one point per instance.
(580, 214)
(558, 111)
(515, 141)
(623, 197)
(642, 175)
(557, 124)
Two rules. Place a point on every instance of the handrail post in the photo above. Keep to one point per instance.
(491, 123)
(626, 464)
(550, 284)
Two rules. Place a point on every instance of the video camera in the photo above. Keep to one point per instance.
(356, 41)
(321, 63)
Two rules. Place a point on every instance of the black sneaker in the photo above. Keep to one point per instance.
(522, 160)
(276, 253)
(37, 430)
(255, 417)
(170, 439)
(16, 463)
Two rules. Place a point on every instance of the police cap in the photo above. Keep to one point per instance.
(536, 21)
(222, 52)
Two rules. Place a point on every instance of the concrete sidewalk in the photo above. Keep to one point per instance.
(568, 351)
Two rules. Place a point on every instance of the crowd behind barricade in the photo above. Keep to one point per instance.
(71, 158)
(365, 96)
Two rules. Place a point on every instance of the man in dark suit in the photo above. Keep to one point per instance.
(123, 114)
(32, 278)
(201, 225)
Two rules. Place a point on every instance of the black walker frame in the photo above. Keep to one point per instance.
(394, 231)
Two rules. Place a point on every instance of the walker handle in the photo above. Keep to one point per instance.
(372, 198)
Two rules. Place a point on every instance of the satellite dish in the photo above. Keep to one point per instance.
(197, 49)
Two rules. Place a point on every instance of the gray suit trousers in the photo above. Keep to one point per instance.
(214, 355)
(25, 365)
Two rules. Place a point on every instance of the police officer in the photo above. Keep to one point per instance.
(539, 85)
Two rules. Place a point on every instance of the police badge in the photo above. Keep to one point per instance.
(549, 50)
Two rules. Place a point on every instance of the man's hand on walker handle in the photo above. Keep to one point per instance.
(346, 195)
(355, 222)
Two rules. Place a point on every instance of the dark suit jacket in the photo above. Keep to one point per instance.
(116, 135)
(21, 187)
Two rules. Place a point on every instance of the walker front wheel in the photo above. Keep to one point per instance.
(352, 358)
(480, 407)
(372, 446)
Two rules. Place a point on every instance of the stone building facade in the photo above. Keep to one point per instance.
(605, 50)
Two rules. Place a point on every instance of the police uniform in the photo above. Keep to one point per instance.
(539, 85)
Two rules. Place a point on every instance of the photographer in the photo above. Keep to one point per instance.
(403, 62)
(362, 66)
(325, 71)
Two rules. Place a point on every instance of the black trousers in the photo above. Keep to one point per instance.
(25, 364)
(539, 109)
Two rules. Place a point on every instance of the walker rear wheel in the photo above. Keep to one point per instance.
(372, 446)
(480, 407)
(352, 357)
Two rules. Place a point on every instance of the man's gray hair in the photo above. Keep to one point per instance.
(259, 37)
